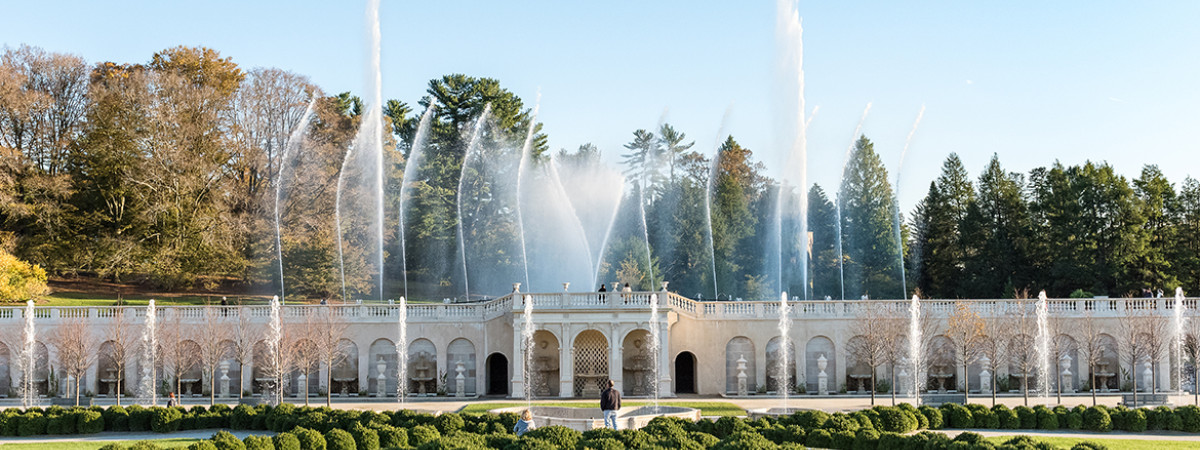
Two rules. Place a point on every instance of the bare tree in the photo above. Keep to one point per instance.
(76, 351)
(1158, 343)
(1134, 341)
(123, 341)
(211, 337)
(875, 338)
(177, 355)
(998, 334)
(330, 329)
(1061, 345)
(1094, 347)
(244, 335)
(965, 330)
(307, 353)
(1192, 349)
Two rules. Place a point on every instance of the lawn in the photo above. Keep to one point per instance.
(93, 445)
(1124, 444)
(706, 408)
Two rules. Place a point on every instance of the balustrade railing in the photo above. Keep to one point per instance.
(704, 310)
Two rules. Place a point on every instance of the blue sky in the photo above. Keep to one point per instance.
(1032, 81)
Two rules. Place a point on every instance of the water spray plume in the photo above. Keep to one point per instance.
(838, 201)
(896, 204)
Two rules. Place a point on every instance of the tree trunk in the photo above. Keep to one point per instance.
(1025, 387)
(1153, 377)
(212, 386)
(76, 391)
(893, 378)
(966, 382)
(1135, 384)
(329, 382)
(118, 385)
(872, 387)
(994, 375)
(1094, 387)
(1058, 382)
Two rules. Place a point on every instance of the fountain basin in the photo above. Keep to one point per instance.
(583, 419)
(774, 412)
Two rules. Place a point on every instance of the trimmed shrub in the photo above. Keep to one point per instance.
(1027, 416)
(840, 422)
(1096, 419)
(258, 443)
(1006, 417)
(612, 444)
(819, 438)
(31, 424)
(896, 420)
(286, 441)
(1189, 418)
(1046, 419)
(421, 434)
(202, 445)
(866, 439)
(745, 440)
(88, 422)
(242, 418)
(461, 440)
(113, 446)
(448, 423)
(308, 439)
(933, 416)
(1135, 420)
(165, 420)
(337, 439)
(116, 418)
(63, 423)
(1120, 418)
(957, 416)
(365, 438)
(1088, 445)
(968, 437)
(1073, 420)
(390, 436)
(225, 440)
(559, 436)
(809, 419)
(139, 418)
(707, 440)
(144, 445)
(984, 417)
(843, 439)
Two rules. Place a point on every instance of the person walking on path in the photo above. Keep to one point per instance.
(610, 402)
(525, 424)
(171, 400)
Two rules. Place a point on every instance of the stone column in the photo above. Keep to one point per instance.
(566, 363)
(664, 358)
(616, 358)
(517, 382)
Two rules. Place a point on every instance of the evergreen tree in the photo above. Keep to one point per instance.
(996, 232)
(823, 268)
(869, 240)
(943, 251)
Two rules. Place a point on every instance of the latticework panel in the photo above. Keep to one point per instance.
(591, 363)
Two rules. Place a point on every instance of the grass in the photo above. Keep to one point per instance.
(1125, 444)
(706, 408)
(93, 445)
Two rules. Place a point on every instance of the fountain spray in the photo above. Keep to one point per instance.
(28, 357)
(1179, 322)
(527, 345)
(915, 344)
(274, 339)
(147, 389)
(337, 219)
(655, 348)
(402, 351)
(293, 142)
(713, 166)
(1042, 346)
(522, 166)
(789, 35)
(896, 204)
(373, 125)
(476, 135)
(410, 171)
(837, 204)
(785, 326)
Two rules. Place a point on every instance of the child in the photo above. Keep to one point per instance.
(525, 424)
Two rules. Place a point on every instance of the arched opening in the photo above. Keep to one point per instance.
(685, 373)
(381, 380)
(543, 373)
(1107, 365)
(591, 363)
(780, 378)
(814, 350)
(943, 363)
(422, 367)
(106, 369)
(738, 351)
(637, 364)
(460, 352)
(344, 372)
(497, 374)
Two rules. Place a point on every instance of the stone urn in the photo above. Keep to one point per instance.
(985, 377)
(822, 377)
(380, 379)
(460, 380)
(1065, 378)
(742, 388)
(225, 378)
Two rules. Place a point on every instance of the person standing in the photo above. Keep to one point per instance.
(610, 402)
(602, 291)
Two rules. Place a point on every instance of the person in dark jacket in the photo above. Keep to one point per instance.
(610, 402)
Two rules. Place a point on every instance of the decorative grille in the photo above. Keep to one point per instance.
(591, 363)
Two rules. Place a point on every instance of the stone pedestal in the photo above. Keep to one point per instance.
(742, 388)
(822, 378)
(301, 384)
(902, 380)
(224, 390)
(460, 380)
(985, 382)
(1065, 379)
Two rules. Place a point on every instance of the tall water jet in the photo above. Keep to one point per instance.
(28, 358)
(476, 135)
(837, 204)
(526, 150)
(274, 338)
(147, 389)
(645, 231)
(527, 346)
(896, 204)
(713, 166)
(415, 157)
(373, 127)
(789, 33)
(1042, 345)
(1179, 336)
(293, 141)
(655, 348)
(915, 349)
(785, 327)
(337, 220)
(402, 351)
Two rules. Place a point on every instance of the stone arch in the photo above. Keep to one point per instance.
(496, 369)
(1108, 365)
(422, 367)
(106, 372)
(637, 364)
(382, 352)
(189, 370)
(461, 350)
(1064, 344)
(307, 354)
(942, 369)
(344, 373)
(858, 369)
(976, 366)
(817, 347)
(740, 347)
(260, 371)
(543, 370)
(1022, 359)
(234, 373)
(774, 359)
(591, 363)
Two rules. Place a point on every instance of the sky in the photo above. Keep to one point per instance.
(1033, 82)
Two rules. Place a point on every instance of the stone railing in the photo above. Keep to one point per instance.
(704, 310)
